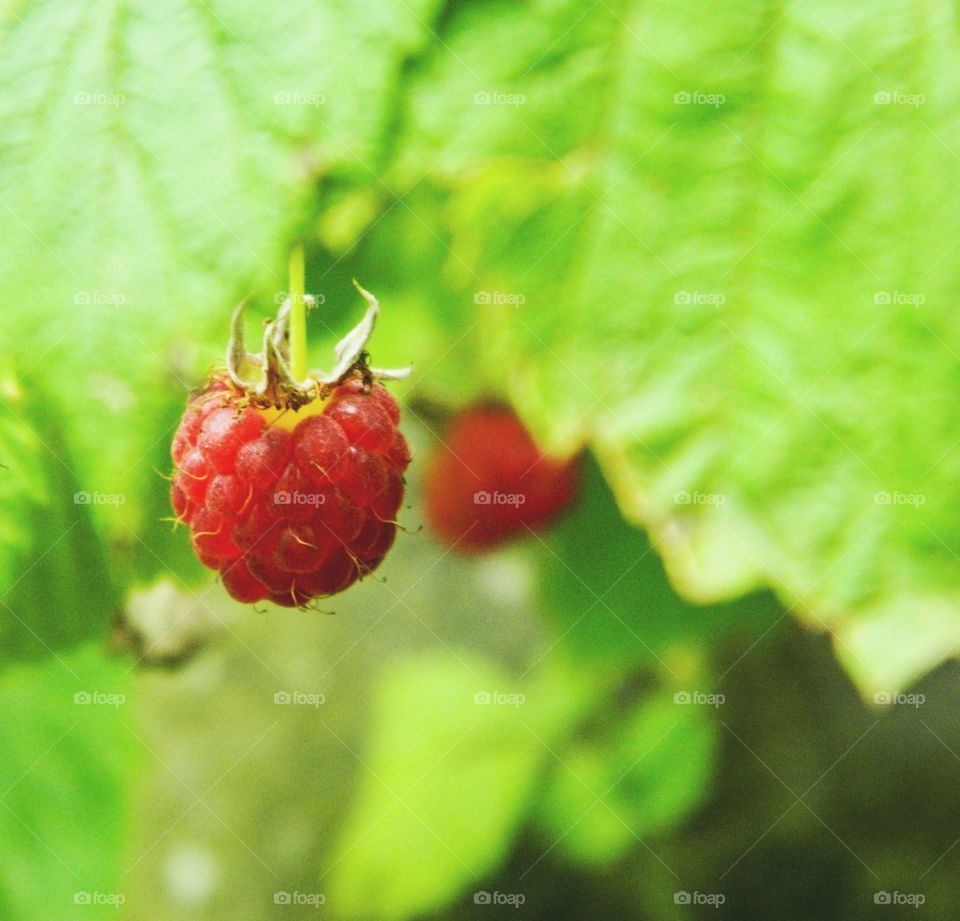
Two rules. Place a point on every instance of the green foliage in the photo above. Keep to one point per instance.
(643, 773)
(724, 345)
(55, 585)
(186, 166)
(67, 759)
(443, 790)
(712, 245)
(714, 284)
(605, 585)
(460, 751)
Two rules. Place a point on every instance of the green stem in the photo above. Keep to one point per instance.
(298, 315)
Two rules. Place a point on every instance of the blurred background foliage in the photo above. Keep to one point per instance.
(711, 246)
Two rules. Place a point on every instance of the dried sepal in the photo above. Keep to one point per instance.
(267, 374)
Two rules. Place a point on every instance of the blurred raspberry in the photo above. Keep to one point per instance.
(488, 481)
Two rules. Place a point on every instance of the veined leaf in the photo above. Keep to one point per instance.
(734, 231)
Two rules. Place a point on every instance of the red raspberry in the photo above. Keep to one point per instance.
(291, 487)
(290, 511)
(488, 481)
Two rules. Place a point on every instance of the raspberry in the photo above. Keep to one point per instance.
(290, 514)
(489, 481)
(291, 488)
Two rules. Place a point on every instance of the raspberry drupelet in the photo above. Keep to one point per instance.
(291, 489)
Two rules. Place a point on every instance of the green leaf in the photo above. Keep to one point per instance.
(734, 236)
(455, 748)
(642, 774)
(605, 585)
(55, 586)
(179, 181)
(63, 786)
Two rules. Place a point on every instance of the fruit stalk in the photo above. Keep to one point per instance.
(298, 315)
